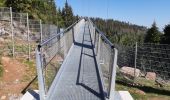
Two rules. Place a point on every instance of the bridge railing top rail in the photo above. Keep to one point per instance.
(56, 35)
(102, 34)
(106, 55)
(50, 54)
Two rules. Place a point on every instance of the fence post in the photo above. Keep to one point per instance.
(41, 31)
(113, 76)
(136, 50)
(12, 33)
(28, 30)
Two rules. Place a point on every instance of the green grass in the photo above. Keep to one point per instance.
(30, 73)
(1, 71)
(1, 68)
(21, 48)
(138, 96)
(29, 63)
(51, 71)
(132, 91)
(142, 85)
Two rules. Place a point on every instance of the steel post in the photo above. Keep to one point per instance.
(113, 76)
(136, 50)
(98, 52)
(12, 33)
(28, 30)
(41, 38)
(40, 75)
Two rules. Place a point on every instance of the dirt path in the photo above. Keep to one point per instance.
(11, 83)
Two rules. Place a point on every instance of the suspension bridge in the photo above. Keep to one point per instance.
(86, 62)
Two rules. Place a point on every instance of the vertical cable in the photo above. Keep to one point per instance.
(107, 15)
(88, 9)
(107, 9)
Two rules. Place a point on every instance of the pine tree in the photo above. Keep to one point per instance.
(166, 36)
(60, 18)
(67, 15)
(153, 34)
(37, 9)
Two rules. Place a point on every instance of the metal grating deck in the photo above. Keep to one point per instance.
(79, 78)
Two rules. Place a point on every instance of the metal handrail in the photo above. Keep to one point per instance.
(113, 61)
(112, 64)
(56, 35)
(39, 60)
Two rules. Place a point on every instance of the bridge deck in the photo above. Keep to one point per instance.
(79, 79)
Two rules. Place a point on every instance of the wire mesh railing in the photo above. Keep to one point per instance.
(49, 30)
(106, 56)
(50, 55)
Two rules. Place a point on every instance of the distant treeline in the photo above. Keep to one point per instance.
(121, 32)
(46, 10)
(127, 34)
(118, 32)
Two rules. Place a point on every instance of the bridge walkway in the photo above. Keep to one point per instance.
(79, 79)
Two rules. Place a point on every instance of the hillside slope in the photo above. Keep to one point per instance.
(37, 9)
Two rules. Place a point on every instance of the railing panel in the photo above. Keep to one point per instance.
(53, 51)
(106, 61)
(52, 55)
(106, 58)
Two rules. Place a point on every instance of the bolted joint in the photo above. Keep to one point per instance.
(112, 47)
(39, 47)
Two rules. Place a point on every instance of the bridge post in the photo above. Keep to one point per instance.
(94, 32)
(73, 34)
(113, 76)
(40, 75)
(65, 46)
(98, 48)
(94, 43)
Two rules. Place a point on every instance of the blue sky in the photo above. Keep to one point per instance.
(140, 12)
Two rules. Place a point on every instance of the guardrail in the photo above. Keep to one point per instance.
(50, 55)
(107, 59)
